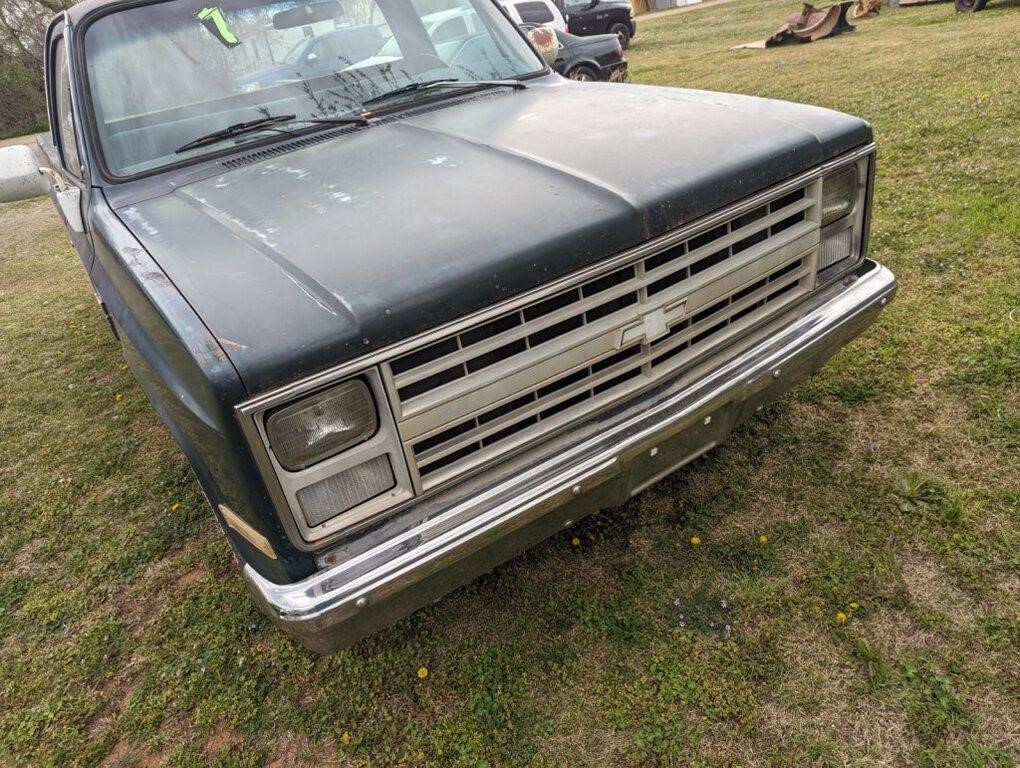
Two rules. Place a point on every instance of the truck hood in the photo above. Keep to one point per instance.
(312, 257)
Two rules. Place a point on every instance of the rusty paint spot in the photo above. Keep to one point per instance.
(231, 344)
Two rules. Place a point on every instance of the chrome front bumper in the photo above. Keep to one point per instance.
(342, 603)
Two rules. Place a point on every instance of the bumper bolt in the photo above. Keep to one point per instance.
(776, 373)
(653, 452)
(708, 420)
(576, 490)
(568, 523)
(361, 602)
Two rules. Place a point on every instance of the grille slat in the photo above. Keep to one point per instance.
(477, 394)
(698, 254)
(685, 337)
(565, 311)
(515, 334)
(682, 340)
(534, 408)
(425, 409)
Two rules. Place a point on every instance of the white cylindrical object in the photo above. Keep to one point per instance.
(19, 174)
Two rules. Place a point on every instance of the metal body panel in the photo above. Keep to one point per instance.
(341, 248)
(600, 53)
(598, 18)
(190, 382)
(373, 587)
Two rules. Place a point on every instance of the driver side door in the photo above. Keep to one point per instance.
(66, 172)
(580, 18)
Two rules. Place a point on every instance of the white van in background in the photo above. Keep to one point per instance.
(511, 12)
(541, 12)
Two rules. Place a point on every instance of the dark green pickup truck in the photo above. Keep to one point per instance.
(409, 313)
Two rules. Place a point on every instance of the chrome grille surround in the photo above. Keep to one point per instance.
(477, 394)
(694, 340)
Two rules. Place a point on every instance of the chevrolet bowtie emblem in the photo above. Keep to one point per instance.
(652, 325)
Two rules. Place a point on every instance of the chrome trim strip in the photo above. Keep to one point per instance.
(342, 603)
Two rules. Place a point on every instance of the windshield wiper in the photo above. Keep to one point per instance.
(350, 120)
(237, 129)
(424, 85)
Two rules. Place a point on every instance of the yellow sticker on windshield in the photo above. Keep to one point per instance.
(212, 19)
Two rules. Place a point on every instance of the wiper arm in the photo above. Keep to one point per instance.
(418, 85)
(237, 129)
(423, 85)
(349, 120)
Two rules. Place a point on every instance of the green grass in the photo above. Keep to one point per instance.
(887, 487)
(31, 131)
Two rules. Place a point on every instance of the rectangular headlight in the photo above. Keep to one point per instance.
(322, 425)
(839, 194)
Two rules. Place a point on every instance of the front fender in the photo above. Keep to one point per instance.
(191, 383)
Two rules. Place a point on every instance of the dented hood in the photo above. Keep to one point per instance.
(313, 257)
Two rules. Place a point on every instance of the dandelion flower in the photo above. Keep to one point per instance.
(695, 540)
(854, 606)
(118, 397)
(763, 539)
(346, 737)
(423, 672)
(174, 506)
(575, 542)
(841, 617)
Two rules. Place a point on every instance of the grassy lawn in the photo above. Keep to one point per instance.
(860, 540)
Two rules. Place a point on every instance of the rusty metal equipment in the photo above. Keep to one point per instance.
(864, 8)
(809, 25)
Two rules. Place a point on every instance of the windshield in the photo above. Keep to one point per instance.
(165, 74)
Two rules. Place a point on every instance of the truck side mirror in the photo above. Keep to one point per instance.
(545, 42)
(20, 177)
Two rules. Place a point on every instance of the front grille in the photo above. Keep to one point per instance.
(478, 394)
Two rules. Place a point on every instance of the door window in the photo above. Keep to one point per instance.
(536, 13)
(65, 117)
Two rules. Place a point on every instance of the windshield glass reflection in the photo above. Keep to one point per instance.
(162, 75)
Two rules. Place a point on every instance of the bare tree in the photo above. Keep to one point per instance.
(22, 28)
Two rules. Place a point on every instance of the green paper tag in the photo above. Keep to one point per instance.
(212, 19)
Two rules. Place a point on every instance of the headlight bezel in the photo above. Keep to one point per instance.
(852, 225)
(285, 484)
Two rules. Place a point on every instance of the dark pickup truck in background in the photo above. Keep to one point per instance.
(601, 17)
(406, 319)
